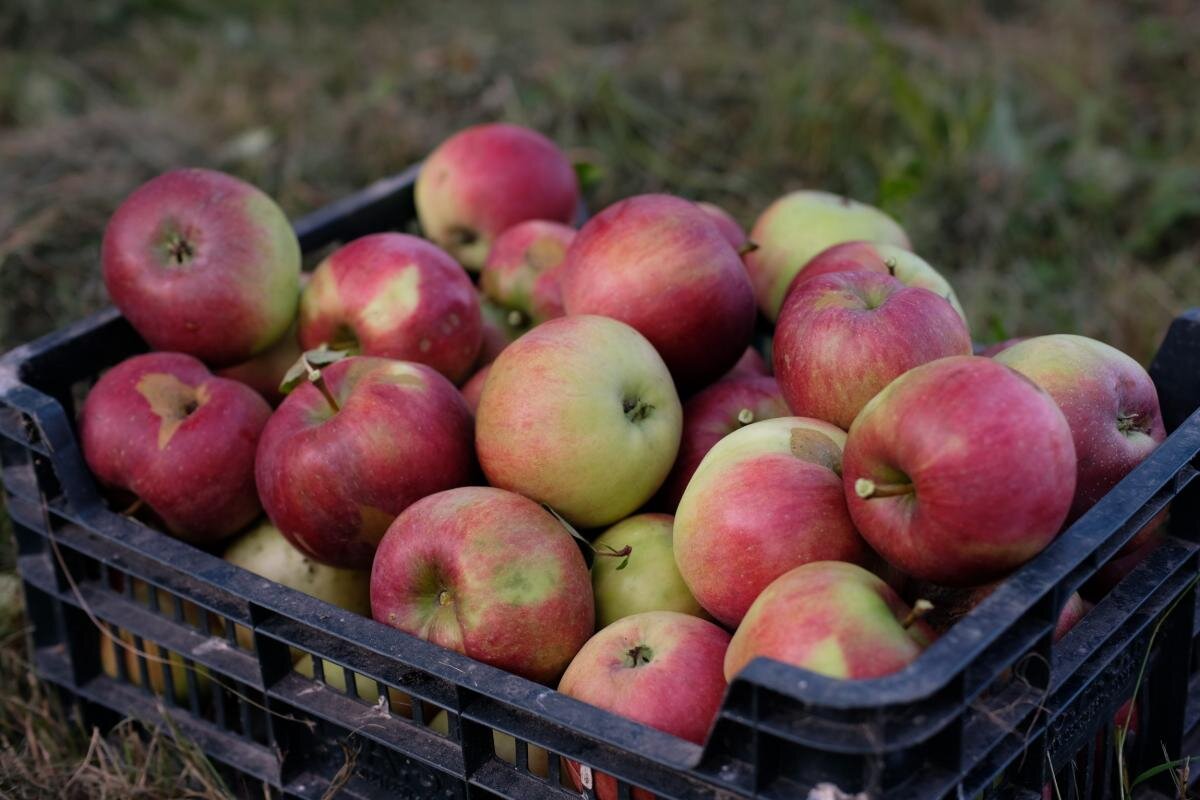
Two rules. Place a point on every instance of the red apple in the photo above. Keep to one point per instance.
(333, 475)
(163, 427)
(487, 573)
(472, 390)
(993, 350)
(579, 413)
(765, 499)
(1109, 402)
(833, 618)
(264, 372)
(959, 471)
(842, 337)
(518, 258)
(487, 178)
(797, 227)
(751, 363)
(500, 329)
(202, 263)
(659, 668)
(546, 301)
(726, 224)
(395, 296)
(657, 263)
(728, 405)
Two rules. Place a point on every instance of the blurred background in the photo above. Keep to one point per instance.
(1044, 156)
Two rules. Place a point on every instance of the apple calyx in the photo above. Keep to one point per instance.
(919, 609)
(638, 656)
(444, 597)
(308, 368)
(636, 410)
(179, 249)
(607, 551)
(1129, 423)
(867, 488)
(745, 416)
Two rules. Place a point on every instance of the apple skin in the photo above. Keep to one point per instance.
(472, 390)
(202, 263)
(993, 350)
(487, 573)
(726, 224)
(264, 372)
(678, 690)
(959, 471)
(518, 258)
(657, 263)
(498, 331)
(546, 301)
(487, 178)
(395, 296)
(765, 499)
(650, 580)
(844, 336)
(885, 259)
(332, 482)
(728, 405)
(751, 363)
(797, 227)
(830, 617)
(579, 413)
(1109, 402)
(163, 427)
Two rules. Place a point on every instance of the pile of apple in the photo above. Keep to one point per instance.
(608, 412)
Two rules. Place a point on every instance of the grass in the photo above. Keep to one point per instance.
(1045, 157)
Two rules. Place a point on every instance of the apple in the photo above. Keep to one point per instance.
(485, 179)
(659, 668)
(487, 573)
(751, 363)
(728, 405)
(952, 603)
(649, 579)
(395, 296)
(797, 227)
(886, 259)
(182, 440)
(202, 263)
(657, 263)
(340, 459)
(959, 471)
(765, 499)
(264, 372)
(334, 676)
(1109, 402)
(993, 350)
(833, 618)
(546, 301)
(472, 390)
(726, 224)
(500, 329)
(579, 413)
(844, 336)
(518, 258)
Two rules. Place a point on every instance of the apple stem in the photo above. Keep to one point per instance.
(745, 416)
(919, 609)
(867, 488)
(748, 246)
(317, 379)
(612, 552)
(133, 507)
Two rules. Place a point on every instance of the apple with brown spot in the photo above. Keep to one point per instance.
(765, 499)
(844, 336)
(341, 458)
(657, 263)
(728, 405)
(660, 668)
(489, 574)
(395, 296)
(202, 263)
(181, 439)
(833, 618)
(485, 179)
(520, 257)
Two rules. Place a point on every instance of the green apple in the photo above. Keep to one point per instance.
(649, 579)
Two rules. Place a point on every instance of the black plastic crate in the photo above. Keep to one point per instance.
(990, 710)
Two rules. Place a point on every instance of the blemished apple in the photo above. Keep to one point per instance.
(181, 439)
(844, 336)
(487, 178)
(751, 363)
(395, 296)
(472, 390)
(886, 259)
(202, 263)
(337, 463)
(1109, 402)
(657, 263)
(798, 226)
(649, 579)
(264, 372)
(500, 329)
(660, 668)
(581, 414)
(765, 499)
(487, 573)
(518, 258)
(726, 224)
(833, 618)
(959, 471)
(712, 414)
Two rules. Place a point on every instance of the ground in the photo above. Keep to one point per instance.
(1045, 157)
